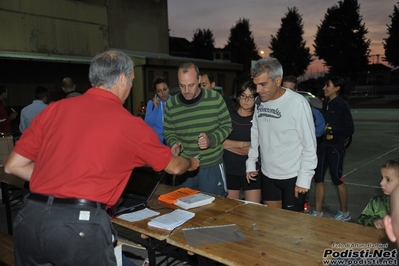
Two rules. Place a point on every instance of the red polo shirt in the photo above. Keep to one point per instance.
(86, 147)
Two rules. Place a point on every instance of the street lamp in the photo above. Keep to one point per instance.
(262, 53)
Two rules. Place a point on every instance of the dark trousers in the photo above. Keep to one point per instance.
(62, 234)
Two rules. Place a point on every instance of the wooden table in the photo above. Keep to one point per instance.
(278, 237)
(202, 213)
(217, 207)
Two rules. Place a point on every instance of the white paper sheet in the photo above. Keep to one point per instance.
(138, 215)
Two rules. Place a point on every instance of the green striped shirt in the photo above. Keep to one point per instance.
(184, 122)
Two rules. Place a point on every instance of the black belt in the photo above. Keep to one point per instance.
(67, 201)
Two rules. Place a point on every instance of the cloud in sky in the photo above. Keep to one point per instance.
(265, 19)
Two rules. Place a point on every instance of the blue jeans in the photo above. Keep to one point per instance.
(58, 234)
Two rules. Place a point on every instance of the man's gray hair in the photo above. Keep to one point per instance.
(269, 65)
(105, 68)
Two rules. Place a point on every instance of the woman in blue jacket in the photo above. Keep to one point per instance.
(156, 107)
(331, 150)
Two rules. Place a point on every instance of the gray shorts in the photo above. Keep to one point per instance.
(209, 180)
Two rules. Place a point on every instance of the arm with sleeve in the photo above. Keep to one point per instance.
(150, 114)
(253, 153)
(168, 126)
(377, 208)
(305, 128)
(225, 127)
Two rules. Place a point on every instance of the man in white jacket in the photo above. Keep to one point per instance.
(282, 138)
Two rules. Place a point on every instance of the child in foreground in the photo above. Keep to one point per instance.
(375, 211)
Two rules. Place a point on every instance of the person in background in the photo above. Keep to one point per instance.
(78, 158)
(141, 109)
(237, 144)
(283, 133)
(375, 211)
(5, 118)
(290, 82)
(154, 116)
(32, 110)
(196, 123)
(208, 82)
(331, 150)
(69, 88)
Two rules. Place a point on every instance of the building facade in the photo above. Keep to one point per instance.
(44, 41)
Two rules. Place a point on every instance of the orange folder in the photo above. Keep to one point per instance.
(173, 196)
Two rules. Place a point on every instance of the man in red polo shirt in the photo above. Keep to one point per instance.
(78, 155)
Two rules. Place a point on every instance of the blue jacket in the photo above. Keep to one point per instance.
(154, 117)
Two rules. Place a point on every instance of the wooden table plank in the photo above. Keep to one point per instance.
(278, 237)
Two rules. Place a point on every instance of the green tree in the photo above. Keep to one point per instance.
(391, 43)
(340, 40)
(241, 44)
(289, 47)
(203, 44)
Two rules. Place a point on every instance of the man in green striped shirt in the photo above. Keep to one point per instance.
(196, 123)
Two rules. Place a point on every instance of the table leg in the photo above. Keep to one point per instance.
(151, 251)
(6, 199)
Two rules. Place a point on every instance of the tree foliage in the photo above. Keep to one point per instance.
(289, 47)
(241, 44)
(391, 44)
(340, 39)
(203, 44)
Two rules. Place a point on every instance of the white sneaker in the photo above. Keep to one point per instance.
(315, 213)
(345, 217)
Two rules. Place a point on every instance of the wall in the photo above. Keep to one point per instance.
(139, 25)
(53, 27)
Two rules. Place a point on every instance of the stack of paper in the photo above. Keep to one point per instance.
(173, 196)
(171, 220)
(194, 201)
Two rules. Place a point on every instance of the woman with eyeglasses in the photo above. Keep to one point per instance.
(155, 108)
(236, 146)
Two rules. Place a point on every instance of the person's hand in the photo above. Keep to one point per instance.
(251, 176)
(194, 163)
(155, 101)
(300, 190)
(175, 149)
(203, 141)
(13, 115)
(379, 223)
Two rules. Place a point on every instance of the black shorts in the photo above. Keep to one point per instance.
(332, 158)
(284, 190)
(238, 182)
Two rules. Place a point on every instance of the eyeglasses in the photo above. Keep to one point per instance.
(244, 96)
